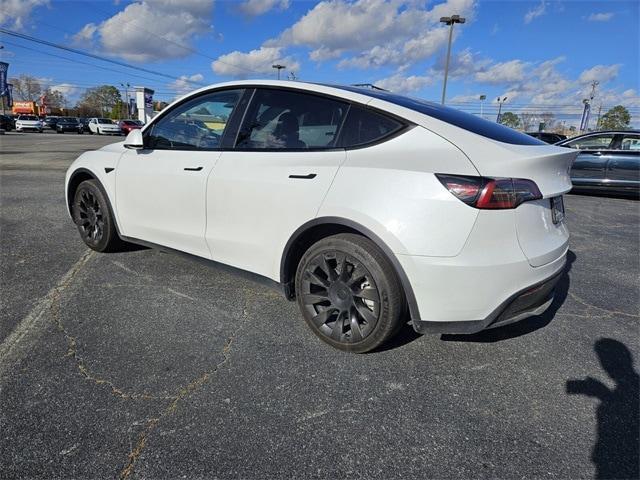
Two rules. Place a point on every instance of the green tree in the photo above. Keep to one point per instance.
(510, 119)
(102, 99)
(617, 118)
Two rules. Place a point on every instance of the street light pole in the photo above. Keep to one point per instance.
(453, 19)
(500, 102)
(278, 67)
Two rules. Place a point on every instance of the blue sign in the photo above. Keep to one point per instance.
(3, 78)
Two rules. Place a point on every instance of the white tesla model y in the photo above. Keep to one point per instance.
(366, 207)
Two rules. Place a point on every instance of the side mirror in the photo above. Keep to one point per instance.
(134, 140)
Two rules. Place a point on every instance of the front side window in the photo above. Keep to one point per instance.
(197, 124)
(592, 142)
(280, 119)
(631, 142)
(364, 126)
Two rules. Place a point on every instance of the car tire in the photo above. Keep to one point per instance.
(94, 219)
(349, 293)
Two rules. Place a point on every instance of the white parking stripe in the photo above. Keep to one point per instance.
(36, 317)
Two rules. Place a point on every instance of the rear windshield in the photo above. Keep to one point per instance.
(469, 122)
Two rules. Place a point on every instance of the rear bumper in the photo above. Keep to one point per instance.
(490, 283)
(527, 303)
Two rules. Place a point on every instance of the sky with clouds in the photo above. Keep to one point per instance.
(543, 55)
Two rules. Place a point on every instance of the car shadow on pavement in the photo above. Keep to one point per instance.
(525, 326)
(616, 453)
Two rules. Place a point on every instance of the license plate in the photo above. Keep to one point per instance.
(557, 209)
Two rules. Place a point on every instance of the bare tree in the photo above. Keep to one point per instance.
(527, 120)
(26, 88)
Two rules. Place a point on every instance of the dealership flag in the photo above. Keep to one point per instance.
(3, 78)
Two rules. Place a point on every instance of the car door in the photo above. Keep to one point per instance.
(591, 164)
(623, 167)
(160, 190)
(275, 178)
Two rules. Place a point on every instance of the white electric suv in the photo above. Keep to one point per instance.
(367, 207)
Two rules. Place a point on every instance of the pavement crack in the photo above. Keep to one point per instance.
(185, 392)
(608, 312)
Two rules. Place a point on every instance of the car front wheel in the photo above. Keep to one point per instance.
(93, 217)
(349, 293)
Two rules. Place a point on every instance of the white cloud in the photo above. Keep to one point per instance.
(504, 72)
(149, 30)
(15, 14)
(600, 17)
(68, 90)
(241, 64)
(536, 12)
(600, 73)
(186, 83)
(254, 8)
(408, 84)
(380, 32)
(85, 34)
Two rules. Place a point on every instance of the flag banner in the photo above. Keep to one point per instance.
(4, 66)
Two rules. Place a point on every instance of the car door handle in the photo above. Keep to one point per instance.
(193, 169)
(305, 177)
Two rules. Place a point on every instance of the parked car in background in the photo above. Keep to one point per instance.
(68, 124)
(29, 123)
(547, 137)
(50, 122)
(104, 126)
(7, 123)
(127, 125)
(608, 161)
(85, 123)
(367, 207)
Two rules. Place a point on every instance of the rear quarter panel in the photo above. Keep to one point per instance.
(390, 189)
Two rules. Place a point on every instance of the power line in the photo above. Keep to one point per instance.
(79, 61)
(91, 55)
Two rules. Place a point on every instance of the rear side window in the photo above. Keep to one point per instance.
(469, 122)
(286, 120)
(592, 142)
(364, 126)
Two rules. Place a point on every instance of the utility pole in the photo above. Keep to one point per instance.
(453, 19)
(126, 87)
(279, 67)
(599, 112)
(482, 99)
(500, 102)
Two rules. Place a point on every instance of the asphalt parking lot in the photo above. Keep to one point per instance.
(146, 365)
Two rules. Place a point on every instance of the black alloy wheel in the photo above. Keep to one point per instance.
(92, 215)
(348, 293)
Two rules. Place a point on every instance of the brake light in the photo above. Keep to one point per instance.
(491, 193)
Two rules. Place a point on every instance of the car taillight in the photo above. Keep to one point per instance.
(490, 193)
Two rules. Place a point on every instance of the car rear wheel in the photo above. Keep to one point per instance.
(93, 217)
(349, 293)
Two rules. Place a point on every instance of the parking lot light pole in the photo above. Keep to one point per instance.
(453, 19)
(482, 99)
(278, 67)
(500, 102)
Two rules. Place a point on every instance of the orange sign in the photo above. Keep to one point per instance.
(24, 107)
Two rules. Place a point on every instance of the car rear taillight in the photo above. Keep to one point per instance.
(491, 193)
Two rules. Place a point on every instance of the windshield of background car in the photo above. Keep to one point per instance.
(68, 120)
(31, 118)
(105, 120)
(469, 122)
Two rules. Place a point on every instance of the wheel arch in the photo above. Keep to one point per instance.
(79, 176)
(322, 227)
